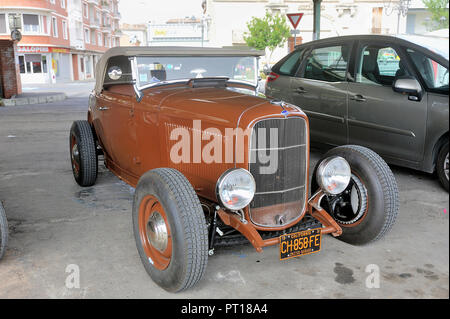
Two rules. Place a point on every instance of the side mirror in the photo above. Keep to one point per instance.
(266, 69)
(408, 85)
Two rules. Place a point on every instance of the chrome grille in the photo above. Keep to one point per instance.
(280, 193)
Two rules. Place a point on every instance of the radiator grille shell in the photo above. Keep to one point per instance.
(280, 193)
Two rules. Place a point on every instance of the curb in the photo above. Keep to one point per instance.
(39, 99)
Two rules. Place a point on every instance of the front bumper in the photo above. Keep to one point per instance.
(246, 228)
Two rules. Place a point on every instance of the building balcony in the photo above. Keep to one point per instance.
(117, 16)
(93, 2)
(106, 7)
(106, 28)
(94, 23)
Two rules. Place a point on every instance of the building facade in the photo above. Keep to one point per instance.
(133, 34)
(227, 19)
(62, 39)
(190, 31)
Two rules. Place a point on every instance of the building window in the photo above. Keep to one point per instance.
(85, 10)
(87, 36)
(93, 38)
(31, 23)
(55, 27)
(63, 4)
(99, 39)
(22, 64)
(88, 66)
(32, 64)
(2, 23)
(64, 27)
(52, 1)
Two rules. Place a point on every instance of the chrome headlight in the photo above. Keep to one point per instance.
(333, 175)
(235, 189)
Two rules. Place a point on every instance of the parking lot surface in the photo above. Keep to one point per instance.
(55, 224)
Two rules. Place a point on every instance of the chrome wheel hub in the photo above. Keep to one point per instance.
(157, 232)
(75, 153)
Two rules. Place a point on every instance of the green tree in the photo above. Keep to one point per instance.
(439, 14)
(270, 32)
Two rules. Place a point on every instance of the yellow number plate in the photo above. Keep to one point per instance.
(302, 243)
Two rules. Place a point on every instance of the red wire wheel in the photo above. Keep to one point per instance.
(74, 156)
(154, 231)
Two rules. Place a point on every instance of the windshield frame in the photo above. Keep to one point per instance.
(140, 87)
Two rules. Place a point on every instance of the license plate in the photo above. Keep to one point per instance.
(299, 244)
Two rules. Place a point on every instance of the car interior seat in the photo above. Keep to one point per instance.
(369, 68)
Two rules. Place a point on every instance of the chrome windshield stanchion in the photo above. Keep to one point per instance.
(135, 75)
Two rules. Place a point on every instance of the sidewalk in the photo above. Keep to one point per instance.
(33, 98)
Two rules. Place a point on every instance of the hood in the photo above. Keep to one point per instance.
(219, 106)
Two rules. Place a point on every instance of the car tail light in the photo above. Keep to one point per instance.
(272, 77)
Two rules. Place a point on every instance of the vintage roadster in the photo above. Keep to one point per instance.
(215, 164)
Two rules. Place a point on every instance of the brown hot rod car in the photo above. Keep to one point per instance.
(215, 164)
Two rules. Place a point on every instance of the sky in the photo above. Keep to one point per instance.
(141, 11)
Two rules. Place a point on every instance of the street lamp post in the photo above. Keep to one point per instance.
(400, 6)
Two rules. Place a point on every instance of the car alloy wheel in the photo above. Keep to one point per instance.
(155, 233)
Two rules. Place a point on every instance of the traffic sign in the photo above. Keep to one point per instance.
(295, 18)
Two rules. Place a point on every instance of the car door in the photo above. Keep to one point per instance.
(115, 108)
(390, 123)
(432, 69)
(320, 89)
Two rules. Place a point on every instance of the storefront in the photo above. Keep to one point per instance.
(44, 64)
(84, 64)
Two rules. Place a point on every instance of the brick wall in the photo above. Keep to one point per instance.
(9, 71)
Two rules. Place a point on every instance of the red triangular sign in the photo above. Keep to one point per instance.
(295, 18)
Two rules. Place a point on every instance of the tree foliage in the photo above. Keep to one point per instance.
(269, 32)
(439, 13)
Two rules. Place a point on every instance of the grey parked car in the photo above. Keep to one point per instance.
(382, 92)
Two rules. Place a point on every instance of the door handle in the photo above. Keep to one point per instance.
(300, 90)
(103, 108)
(358, 98)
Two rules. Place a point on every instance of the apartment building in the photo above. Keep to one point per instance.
(94, 28)
(62, 39)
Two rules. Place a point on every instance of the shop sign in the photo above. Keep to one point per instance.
(34, 49)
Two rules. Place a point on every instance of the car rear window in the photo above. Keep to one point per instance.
(123, 63)
(289, 65)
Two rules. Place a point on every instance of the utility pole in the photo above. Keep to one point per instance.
(316, 21)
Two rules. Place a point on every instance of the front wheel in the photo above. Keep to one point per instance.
(442, 166)
(3, 231)
(368, 207)
(170, 229)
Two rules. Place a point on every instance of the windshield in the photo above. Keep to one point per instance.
(153, 70)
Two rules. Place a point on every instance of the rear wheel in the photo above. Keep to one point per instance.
(3, 231)
(442, 166)
(83, 154)
(368, 207)
(170, 229)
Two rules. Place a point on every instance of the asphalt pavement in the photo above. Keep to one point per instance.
(56, 227)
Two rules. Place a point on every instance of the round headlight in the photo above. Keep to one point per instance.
(333, 175)
(235, 188)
